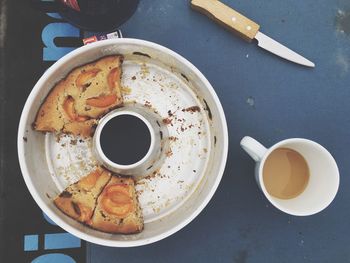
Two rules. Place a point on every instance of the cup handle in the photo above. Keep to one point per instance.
(254, 148)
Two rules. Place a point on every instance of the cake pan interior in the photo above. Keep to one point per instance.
(159, 80)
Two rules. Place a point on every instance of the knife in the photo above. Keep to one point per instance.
(246, 29)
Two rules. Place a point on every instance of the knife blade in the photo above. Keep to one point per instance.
(246, 29)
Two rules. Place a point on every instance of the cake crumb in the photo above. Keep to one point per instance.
(192, 109)
(167, 121)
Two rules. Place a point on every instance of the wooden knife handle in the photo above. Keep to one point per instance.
(226, 16)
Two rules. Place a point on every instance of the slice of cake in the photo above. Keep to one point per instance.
(76, 102)
(117, 208)
(79, 199)
(104, 202)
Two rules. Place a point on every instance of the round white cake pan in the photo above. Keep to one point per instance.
(177, 189)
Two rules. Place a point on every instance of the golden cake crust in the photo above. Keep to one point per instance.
(76, 102)
(79, 199)
(117, 208)
(104, 202)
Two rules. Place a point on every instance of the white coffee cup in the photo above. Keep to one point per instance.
(324, 175)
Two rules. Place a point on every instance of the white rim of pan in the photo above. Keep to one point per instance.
(44, 207)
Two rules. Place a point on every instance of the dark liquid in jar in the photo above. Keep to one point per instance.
(97, 15)
(125, 139)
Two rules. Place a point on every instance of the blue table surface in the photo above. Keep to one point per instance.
(269, 99)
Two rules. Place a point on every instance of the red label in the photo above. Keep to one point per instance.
(89, 40)
(72, 4)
